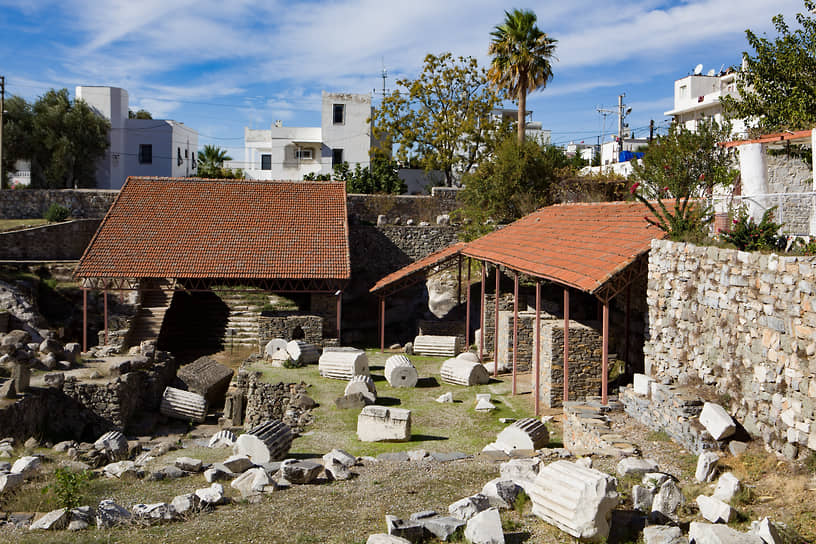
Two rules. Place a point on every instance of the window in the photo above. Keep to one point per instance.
(266, 162)
(186, 153)
(304, 153)
(339, 113)
(179, 160)
(337, 157)
(145, 154)
(683, 91)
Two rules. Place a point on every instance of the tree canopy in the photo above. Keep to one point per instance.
(440, 120)
(514, 181)
(140, 114)
(777, 87)
(211, 162)
(62, 138)
(685, 167)
(521, 59)
(381, 177)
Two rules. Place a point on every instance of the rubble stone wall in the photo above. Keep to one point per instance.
(33, 203)
(265, 401)
(788, 174)
(281, 324)
(366, 208)
(57, 241)
(744, 323)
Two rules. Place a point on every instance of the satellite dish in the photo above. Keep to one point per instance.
(698, 69)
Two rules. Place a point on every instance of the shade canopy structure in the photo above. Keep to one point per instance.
(279, 236)
(596, 248)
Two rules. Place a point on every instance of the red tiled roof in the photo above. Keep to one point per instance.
(421, 265)
(196, 228)
(802, 135)
(579, 245)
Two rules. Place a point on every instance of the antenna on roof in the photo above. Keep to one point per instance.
(384, 75)
(698, 69)
(722, 66)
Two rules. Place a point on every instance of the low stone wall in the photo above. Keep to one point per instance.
(265, 401)
(366, 208)
(674, 410)
(744, 323)
(587, 428)
(56, 242)
(283, 324)
(33, 203)
(442, 328)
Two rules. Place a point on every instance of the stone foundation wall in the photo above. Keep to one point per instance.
(265, 401)
(744, 323)
(33, 203)
(674, 410)
(366, 208)
(57, 241)
(282, 324)
(442, 328)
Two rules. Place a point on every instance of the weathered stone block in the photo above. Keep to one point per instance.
(208, 378)
(379, 423)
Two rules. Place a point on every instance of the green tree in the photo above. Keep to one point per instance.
(440, 120)
(511, 183)
(140, 114)
(211, 162)
(62, 138)
(381, 177)
(683, 167)
(777, 88)
(521, 59)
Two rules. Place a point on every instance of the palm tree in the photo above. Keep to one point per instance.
(211, 160)
(521, 58)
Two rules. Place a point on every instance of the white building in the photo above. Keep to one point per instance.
(532, 129)
(289, 153)
(139, 147)
(585, 151)
(610, 151)
(698, 96)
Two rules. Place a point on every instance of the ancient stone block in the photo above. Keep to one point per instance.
(211, 496)
(524, 434)
(208, 378)
(379, 423)
(155, 512)
(485, 528)
(706, 533)
(222, 439)
(188, 464)
(663, 534)
(400, 372)
(275, 346)
(577, 500)
(634, 465)
(110, 514)
(251, 482)
(277, 436)
(26, 466)
(300, 472)
(668, 499)
(468, 507)
(52, 521)
(460, 372)
(717, 421)
(714, 510)
(728, 485)
(303, 352)
(706, 466)
(436, 346)
(361, 384)
(343, 363)
(185, 405)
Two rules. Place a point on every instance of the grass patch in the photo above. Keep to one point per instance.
(17, 224)
(658, 436)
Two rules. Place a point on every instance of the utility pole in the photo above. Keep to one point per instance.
(605, 113)
(2, 108)
(621, 115)
(651, 130)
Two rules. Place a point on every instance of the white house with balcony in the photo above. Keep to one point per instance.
(289, 153)
(697, 97)
(139, 147)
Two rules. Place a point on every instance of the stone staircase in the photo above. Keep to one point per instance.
(148, 321)
(244, 313)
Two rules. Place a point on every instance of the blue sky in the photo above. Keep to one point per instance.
(221, 66)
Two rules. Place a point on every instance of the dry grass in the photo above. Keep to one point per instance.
(17, 224)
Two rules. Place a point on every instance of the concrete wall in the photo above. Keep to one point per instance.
(57, 241)
(744, 323)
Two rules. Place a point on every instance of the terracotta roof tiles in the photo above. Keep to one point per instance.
(197, 228)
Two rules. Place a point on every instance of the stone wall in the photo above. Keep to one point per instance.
(788, 174)
(282, 324)
(672, 409)
(744, 323)
(265, 401)
(33, 203)
(366, 208)
(55, 242)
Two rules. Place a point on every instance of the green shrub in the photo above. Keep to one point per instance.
(68, 486)
(293, 363)
(56, 213)
(747, 235)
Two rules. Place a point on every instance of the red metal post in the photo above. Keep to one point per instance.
(566, 343)
(482, 315)
(105, 294)
(496, 325)
(515, 328)
(339, 316)
(84, 319)
(467, 310)
(382, 324)
(605, 354)
(537, 380)
(626, 322)
(459, 282)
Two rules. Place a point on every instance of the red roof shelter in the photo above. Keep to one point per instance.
(279, 236)
(597, 248)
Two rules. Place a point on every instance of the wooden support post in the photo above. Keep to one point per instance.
(566, 343)
(605, 354)
(482, 315)
(84, 319)
(339, 317)
(515, 327)
(467, 310)
(382, 324)
(496, 325)
(105, 294)
(537, 366)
